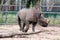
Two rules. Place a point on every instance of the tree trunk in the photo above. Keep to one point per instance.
(31, 1)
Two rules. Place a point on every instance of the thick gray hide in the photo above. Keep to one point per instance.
(28, 14)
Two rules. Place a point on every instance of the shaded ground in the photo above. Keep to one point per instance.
(47, 33)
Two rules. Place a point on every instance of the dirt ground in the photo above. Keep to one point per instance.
(47, 33)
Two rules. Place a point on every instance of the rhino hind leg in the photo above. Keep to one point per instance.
(19, 22)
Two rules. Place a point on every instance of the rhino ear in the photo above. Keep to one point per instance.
(40, 15)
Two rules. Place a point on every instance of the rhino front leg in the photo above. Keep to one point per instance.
(21, 28)
(27, 27)
(33, 27)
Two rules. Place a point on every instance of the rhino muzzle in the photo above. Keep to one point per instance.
(44, 23)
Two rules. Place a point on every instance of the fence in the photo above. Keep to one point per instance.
(8, 11)
(8, 15)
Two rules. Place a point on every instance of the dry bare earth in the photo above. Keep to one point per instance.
(46, 33)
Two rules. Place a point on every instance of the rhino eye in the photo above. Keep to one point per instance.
(42, 15)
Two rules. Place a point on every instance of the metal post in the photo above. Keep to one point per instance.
(16, 3)
(20, 1)
(1, 9)
(6, 5)
(40, 6)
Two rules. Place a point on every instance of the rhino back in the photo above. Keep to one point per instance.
(28, 14)
(22, 14)
(32, 14)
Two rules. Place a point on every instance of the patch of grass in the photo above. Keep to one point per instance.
(11, 18)
(54, 21)
(57, 39)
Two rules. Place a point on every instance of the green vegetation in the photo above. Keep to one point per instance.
(54, 17)
(33, 2)
(11, 18)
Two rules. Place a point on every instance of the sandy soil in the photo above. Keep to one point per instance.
(47, 33)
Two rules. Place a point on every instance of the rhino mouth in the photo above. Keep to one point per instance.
(43, 23)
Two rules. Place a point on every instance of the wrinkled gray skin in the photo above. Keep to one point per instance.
(30, 16)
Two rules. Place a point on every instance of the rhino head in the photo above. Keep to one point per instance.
(43, 21)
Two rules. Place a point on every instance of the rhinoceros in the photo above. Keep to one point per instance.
(27, 16)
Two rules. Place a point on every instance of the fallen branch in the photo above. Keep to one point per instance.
(12, 34)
